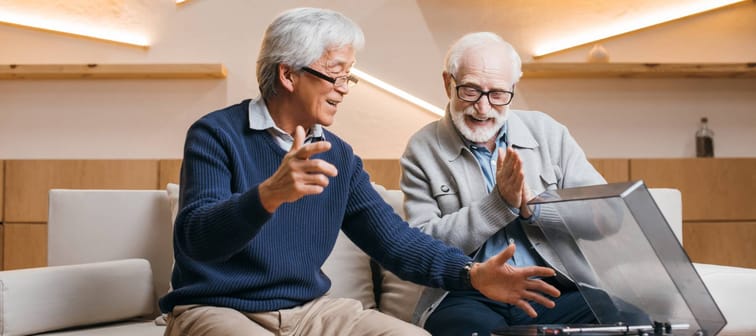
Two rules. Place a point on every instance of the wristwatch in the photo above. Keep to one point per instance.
(466, 273)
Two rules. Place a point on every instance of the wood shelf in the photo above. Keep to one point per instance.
(112, 71)
(639, 70)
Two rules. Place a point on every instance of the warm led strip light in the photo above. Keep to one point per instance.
(397, 92)
(632, 24)
(73, 28)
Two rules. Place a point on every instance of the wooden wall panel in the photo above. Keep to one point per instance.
(712, 189)
(722, 243)
(613, 170)
(385, 172)
(24, 245)
(27, 182)
(170, 172)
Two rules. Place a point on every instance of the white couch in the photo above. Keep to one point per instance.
(110, 258)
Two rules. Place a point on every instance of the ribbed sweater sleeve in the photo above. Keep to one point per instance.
(409, 253)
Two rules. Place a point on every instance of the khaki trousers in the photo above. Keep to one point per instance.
(322, 316)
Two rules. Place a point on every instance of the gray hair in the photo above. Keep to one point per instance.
(298, 37)
(474, 40)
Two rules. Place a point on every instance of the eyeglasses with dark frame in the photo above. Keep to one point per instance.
(472, 94)
(341, 81)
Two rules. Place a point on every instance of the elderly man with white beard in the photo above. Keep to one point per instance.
(467, 179)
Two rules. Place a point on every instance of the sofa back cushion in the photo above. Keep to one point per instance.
(669, 202)
(87, 226)
(396, 297)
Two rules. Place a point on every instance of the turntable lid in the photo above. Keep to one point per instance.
(617, 246)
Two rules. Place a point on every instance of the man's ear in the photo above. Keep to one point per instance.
(286, 77)
(447, 84)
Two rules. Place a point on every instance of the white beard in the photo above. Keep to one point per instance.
(479, 134)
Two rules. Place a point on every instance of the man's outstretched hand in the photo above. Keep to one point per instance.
(298, 175)
(502, 282)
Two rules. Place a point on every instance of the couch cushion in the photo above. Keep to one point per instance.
(732, 290)
(131, 328)
(397, 297)
(349, 270)
(669, 202)
(88, 226)
(50, 298)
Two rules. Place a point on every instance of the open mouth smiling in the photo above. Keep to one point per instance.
(333, 103)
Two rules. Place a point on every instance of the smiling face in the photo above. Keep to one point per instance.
(317, 99)
(484, 68)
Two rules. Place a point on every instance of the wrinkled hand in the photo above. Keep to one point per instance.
(500, 281)
(297, 176)
(510, 177)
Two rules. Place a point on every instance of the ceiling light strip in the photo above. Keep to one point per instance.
(398, 92)
(630, 25)
(72, 28)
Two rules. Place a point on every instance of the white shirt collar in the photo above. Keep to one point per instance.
(260, 120)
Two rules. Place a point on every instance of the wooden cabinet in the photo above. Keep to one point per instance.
(712, 189)
(719, 212)
(613, 170)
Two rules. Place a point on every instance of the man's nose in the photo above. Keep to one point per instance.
(343, 89)
(483, 104)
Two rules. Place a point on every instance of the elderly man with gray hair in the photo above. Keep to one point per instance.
(265, 189)
(467, 179)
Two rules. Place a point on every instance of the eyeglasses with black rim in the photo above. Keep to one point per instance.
(341, 81)
(472, 94)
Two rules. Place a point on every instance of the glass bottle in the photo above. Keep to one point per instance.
(704, 140)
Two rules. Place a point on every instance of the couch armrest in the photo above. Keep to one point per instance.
(734, 291)
(49, 298)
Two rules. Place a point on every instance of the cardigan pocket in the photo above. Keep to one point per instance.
(548, 180)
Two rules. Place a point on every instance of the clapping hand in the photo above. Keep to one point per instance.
(510, 181)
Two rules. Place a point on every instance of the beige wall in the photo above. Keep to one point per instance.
(405, 45)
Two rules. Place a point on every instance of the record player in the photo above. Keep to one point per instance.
(617, 247)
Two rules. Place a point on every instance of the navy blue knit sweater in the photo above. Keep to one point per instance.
(231, 252)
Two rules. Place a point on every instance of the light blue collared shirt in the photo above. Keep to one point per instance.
(512, 233)
(260, 120)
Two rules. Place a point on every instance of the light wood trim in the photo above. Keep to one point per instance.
(639, 70)
(24, 245)
(28, 182)
(721, 243)
(386, 172)
(112, 71)
(169, 172)
(613, 170)
(712, 189)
